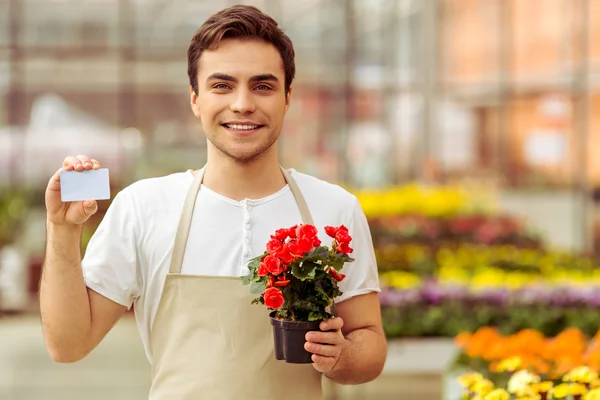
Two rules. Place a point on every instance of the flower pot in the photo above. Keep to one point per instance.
(290, 337)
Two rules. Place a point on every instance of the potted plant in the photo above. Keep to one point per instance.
(296, 278)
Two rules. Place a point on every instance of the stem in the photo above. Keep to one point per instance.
(293, 316)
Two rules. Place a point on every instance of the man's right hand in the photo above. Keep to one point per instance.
(70, 213)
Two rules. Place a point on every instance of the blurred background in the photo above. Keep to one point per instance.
(467, 129)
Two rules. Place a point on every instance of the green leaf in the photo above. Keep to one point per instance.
(255, 262)
(305, 271)
(317, 254)
(315, 316)
(257, 288)
(346, 258)
(247, 279)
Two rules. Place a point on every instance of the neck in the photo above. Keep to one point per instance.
(238, 181)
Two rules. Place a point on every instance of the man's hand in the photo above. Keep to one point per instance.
(70, 214)
(327, 345)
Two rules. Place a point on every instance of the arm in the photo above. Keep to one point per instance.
(356, 350)
(74, 318)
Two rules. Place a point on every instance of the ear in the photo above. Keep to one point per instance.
(194, 102)
(288, 99)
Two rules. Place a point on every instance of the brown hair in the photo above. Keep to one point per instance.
(240, 21)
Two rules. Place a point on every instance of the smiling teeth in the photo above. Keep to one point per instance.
(242, 127)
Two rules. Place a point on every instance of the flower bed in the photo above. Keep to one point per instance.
(529, 365)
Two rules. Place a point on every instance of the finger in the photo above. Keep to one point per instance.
(332, 324)
(95, 164)
(323, 364)
(72, 163)
(90, 207)
(85, 161)
(324, 337)
(325, 350)
(54, 182)
(82, 211)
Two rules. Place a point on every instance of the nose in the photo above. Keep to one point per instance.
(243, 102)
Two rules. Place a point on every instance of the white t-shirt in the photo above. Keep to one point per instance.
(128, 257)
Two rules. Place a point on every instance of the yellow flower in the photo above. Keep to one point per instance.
(469, 379)
(520, 381)
(542, 387)
(482, 387)
(509, 364)
(560, 392)
(565, 389)
(497, 394)
(581, 374)
(592, 395)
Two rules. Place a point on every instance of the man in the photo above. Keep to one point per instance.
(175, 246)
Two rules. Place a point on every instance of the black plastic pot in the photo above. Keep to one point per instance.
(290, 337)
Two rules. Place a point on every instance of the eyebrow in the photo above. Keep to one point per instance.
(254, 79)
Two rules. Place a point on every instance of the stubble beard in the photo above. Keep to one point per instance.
(249, 158)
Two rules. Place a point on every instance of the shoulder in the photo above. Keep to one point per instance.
(326, 193)
(150, 194)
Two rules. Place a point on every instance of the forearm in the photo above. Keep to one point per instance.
(362, 357)
(64, 302)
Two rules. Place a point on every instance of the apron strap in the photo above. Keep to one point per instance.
(185, 220)
(304, 212)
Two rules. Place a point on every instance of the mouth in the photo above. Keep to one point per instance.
(242, 128)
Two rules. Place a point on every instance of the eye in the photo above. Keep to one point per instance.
(221, 86)
(263, 87)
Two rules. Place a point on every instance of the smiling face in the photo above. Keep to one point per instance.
(241, 99)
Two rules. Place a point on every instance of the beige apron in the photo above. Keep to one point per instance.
(208, 342)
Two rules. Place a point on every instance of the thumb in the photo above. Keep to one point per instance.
(90, 207)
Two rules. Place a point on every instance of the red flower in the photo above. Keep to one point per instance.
(336, 275)
(284, 254)
(271, 281)
(273, 264)
(262, 269)
(343, 237)
(333, 231)
(281, 234)
(299, 248)
(292, 232)
(344, 248)
(316, 242)
(282, 283)
(306, 231)
(273, 298)
(274, 246)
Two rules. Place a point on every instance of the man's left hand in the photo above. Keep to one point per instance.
(327, 345)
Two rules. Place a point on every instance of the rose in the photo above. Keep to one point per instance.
(273, 298)
(274, 246)
(273, 265)
(306, 231)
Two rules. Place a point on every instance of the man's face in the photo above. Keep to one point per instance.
(241, 98)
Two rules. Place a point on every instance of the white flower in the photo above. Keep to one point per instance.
(521, 380)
